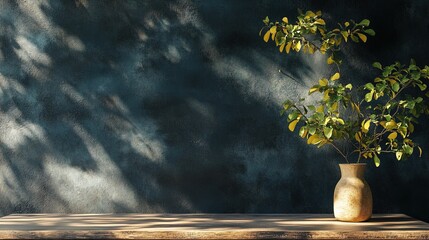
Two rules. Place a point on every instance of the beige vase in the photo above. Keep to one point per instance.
(352, 196)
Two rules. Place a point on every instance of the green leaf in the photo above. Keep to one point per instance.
(422, 86)
(364, 22)
(408, 149)
(376, 160)
(396, 87)
(293, 115)
(377, 65)
(266, 20)
(369, 86)
(287, 105)
(354, 38)
(312, 130)
(368, 96)
(370, 32)
(328, 132)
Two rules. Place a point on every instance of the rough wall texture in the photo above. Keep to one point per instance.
(172, 106)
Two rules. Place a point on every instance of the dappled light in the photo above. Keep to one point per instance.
(157, 106)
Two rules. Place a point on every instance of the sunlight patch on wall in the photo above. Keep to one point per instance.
(15, 133)
(99, 189)
(172, 54)
(265, 84)
(8, 86)
(74, 43)
(9, 183)
(28, 52)
(141, 137)
(35, 20)
(77, 97)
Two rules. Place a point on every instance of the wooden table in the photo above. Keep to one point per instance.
(207, 226)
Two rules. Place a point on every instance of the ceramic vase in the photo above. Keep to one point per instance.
(352, 195)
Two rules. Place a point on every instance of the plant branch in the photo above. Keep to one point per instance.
(339, 151)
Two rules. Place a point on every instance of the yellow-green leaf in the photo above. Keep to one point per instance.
(376, 160)
(320, 21)
(312, 90)
(420, 151)
(314, 139)
(273, 29)
(392, 136)
(298, 46)
(411, 128)
(326, 96)
(368, 96)
(330, 60)
(282, 46)
(310, 14)
(390, 125)
(288, 45)
(303, 132)
(398, 155)
(285, 20)
(339, 120)
(320, 109)
(357, 108)
(358, 136)
(362, 37)
(334, 106)
(328, 132)
(403, 131)
(346, 24)
(345, 34)
(336, 76)
(267, 36)
(365, 125)
(292, 125)
(323, 82)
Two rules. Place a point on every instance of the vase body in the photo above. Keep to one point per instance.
(352, 195)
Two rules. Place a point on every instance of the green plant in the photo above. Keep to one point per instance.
(366, 121)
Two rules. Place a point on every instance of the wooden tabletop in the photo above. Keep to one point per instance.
(207, 226)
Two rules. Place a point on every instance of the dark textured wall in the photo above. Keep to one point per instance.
(173, 106)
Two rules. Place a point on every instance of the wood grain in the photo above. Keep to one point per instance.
(208, 226)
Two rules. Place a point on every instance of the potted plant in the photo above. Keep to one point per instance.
(359, 122)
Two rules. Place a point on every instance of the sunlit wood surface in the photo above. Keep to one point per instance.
(207, 226)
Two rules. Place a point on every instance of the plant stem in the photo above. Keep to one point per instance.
(340, 152)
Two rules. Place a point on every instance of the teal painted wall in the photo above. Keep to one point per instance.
(173, 106)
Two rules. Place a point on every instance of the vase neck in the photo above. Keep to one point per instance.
(352, 170)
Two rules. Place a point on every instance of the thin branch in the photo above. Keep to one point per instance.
(339, 151)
